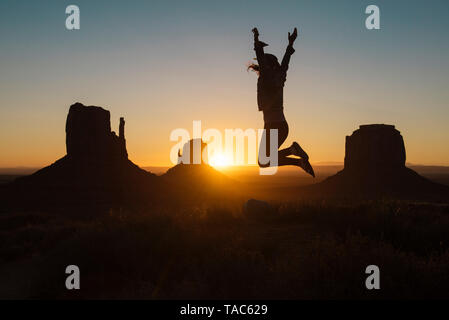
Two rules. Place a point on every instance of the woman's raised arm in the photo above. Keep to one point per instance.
(291, 39)
(258, 47)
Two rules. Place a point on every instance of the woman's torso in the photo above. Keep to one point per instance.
(270, 91)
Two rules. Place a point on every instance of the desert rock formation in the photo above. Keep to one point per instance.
(96, 167)
(375, 169)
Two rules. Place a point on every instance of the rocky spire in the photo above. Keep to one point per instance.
(121, 134)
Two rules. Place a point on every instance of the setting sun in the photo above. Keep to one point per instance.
(220, 160)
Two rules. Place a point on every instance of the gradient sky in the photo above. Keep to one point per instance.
(162, 64)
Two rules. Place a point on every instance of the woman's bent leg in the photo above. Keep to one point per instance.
(283, 159)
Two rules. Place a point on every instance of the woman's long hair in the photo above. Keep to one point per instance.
(253, 67)
(270, 59)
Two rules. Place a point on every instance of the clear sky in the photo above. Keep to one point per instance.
(162, 64)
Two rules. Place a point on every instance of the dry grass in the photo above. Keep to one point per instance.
(305, 251)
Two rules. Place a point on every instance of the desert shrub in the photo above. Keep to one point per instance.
(419, 228)
(308, 250)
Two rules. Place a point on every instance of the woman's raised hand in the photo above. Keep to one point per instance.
(256, 33)
(292, 37)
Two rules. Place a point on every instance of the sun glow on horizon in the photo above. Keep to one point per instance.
(220, 160)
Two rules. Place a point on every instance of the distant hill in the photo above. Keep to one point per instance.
(193, 183)
(18, 171)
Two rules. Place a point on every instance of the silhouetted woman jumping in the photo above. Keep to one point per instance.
(270, 92)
